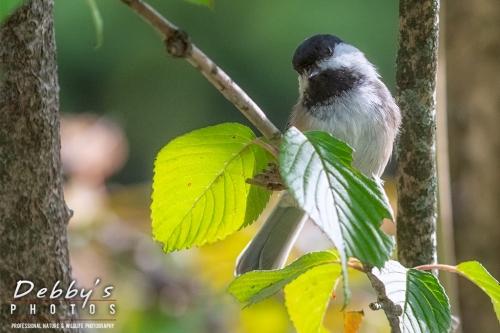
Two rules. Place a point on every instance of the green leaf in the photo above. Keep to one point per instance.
(307, 298)
(424, 303)
(97, 19)
(475, 272)
(256, 286)
(199, 190)
(348, 206)
(208, 3)
(7, 7)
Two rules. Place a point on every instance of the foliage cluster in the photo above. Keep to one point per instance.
(201, 195)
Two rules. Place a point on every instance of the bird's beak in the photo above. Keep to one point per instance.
(312, 71)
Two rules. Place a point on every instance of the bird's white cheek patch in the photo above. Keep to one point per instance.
(303, 84)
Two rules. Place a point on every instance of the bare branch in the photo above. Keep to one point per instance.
(392, 310)
(179, 46)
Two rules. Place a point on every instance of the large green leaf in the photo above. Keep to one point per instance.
(424, 303)
(475, 272)
(256, 286)
(348, 206)
(199, 189)
(7, 7)
(312, 292)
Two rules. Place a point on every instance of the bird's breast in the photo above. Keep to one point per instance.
(356, 121)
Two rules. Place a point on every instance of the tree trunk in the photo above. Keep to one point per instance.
(416, 145)
(473, 67)
(33, 215)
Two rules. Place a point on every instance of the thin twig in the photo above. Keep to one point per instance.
(267, 147)
(356, 267)
(391, 309)
(441, 267)
(179, 45)
(352, 265)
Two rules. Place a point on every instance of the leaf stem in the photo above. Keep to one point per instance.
(356, 267)
(179, 46)
(351, 265)
(267, 147)
(97, 19)
(429, 267)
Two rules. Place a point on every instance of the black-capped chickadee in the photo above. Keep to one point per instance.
(340, 92)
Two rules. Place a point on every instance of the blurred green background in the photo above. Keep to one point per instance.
(130, 83)
(156, 98)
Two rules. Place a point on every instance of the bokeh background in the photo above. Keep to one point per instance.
(122, 102)
(155, 98)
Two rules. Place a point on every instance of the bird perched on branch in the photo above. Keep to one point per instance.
(340, 92)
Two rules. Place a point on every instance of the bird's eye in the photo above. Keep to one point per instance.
(328, 51)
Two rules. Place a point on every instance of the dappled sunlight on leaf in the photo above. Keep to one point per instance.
(312, 291)
(255, 286)
(475, 272)
(200, 194)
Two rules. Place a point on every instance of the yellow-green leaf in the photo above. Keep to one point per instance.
(199, 189)
(256, 286)
(475, 272)
(307, 298)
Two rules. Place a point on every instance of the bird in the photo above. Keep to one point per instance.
(341, 93)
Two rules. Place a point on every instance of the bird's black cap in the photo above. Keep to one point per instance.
(313, 49)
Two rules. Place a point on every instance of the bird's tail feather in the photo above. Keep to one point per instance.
(269, 249)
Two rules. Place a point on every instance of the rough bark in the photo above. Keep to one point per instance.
(33, 215)
(473, 67)
(416, 145)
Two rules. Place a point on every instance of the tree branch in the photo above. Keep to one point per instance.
(416, 145)
(392, 311)
(178, 45)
